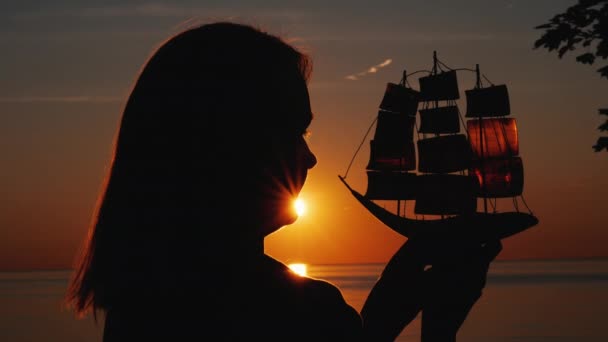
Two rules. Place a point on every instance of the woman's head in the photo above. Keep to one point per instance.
(210, 109)
(210, 146)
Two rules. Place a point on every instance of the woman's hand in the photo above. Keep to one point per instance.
(445, 291)
(453, 284)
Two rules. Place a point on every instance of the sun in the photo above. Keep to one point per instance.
(299, 269)
(300, 207)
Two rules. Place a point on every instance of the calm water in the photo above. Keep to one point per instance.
(523, 301)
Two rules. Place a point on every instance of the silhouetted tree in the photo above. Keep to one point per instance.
(583, 25)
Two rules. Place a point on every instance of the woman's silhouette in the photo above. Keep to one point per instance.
(209, 158)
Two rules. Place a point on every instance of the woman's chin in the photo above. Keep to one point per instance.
(279, 221)
(293, 218)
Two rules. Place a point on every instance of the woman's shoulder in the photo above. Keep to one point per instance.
(317, 303)
(310, 291)
(283, 272)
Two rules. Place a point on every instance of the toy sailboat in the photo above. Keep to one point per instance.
(455, 168)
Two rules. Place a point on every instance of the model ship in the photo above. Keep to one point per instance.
(425, 153)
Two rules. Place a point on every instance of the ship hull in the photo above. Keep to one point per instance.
(474, 227)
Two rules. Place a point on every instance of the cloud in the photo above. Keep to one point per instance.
(385, 63)
(371, 70)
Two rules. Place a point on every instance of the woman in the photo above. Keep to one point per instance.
(209, 158)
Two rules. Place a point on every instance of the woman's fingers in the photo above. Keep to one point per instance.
(492, 249)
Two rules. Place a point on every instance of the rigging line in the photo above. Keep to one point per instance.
(506, 137)
(419, 71)
(515, 204)
(503, 131)
(472, 70)
(466, 129)
(440, 62)
(526, 204)
(465, 69)
(493, 205)
(497, 138)
(439, 66)
(484, 76)
(359, 148)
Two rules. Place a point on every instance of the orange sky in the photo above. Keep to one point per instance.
(67, 70)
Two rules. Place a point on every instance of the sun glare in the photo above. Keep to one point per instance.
(299, 269)
(300, 207)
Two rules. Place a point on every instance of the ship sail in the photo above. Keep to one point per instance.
(428, 159)
(443, 154)
(486, 102)
(392, 151)
(442, 120)
(497, 167)
(439, 87)
(499, 137)
(393, 145)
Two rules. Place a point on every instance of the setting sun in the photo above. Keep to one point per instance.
(300, 207)
(299, 269)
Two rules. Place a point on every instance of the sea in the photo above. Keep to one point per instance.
(546, 300)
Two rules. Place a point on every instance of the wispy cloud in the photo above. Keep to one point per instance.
(61, 99)
(371, 70)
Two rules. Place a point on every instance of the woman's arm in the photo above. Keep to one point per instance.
(444, 290)
(396, 297)
(452, 286)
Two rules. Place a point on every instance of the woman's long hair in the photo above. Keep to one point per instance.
(199, 111)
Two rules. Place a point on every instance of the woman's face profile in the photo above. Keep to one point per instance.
(293, 159)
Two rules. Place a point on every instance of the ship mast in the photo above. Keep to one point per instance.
(436, 101)
(402, 83)
(435, 73)
(483, 180)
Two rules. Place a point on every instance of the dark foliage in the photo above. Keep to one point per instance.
(583, 25)
(602, 142)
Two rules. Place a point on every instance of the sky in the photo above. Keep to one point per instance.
(66, 69)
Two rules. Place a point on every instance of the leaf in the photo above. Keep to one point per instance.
(563, 50)
(603, 71)
(538, 43)
(602, 143)
(602, 48)
(586, 58)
